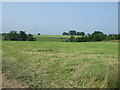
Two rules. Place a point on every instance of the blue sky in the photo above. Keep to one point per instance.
(53, 18)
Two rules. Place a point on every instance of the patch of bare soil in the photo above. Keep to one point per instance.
(11, 83)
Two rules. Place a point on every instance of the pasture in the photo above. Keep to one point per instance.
(55, 64)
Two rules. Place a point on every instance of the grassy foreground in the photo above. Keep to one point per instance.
(61, 64)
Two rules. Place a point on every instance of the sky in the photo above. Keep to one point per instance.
(54, 18)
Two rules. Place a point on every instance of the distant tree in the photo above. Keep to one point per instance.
(86, 38)
(89, 39)
(77, 39)
(118, 36)
(98, 36)
(23, 36)
(4, 34)
(72, 32)
(38, 34)
(109, 37)
(65, 33)
(80, 33)
(30, 37)
(72, 39)
(115, 36)
(12, 36)
(112, 37)
(82, 39)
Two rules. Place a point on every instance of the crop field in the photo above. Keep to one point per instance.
(43, 64)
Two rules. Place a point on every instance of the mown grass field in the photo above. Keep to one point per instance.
(54, 64)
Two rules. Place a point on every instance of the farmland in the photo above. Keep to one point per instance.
(52, 63)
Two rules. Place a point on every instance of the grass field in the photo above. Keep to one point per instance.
(58, 36)
(55, 38)
(61, 64)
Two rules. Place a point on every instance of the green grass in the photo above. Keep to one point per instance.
(64, 36)
(55, 38)
(61, 64)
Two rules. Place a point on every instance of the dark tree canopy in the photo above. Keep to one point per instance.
(11, 36)
(80, 33)
(72, 32)
(95, 36)
(30, 37)
(38, 34)
(119, 36)
(65, 33)
(72, 39)
(98, 36)
(21, 36)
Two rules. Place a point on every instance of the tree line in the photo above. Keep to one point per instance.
(96, 36)
(73, 32)
(15, 36)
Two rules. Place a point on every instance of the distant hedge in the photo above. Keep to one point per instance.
(73, 32)
(21, 36)
(96, 36)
